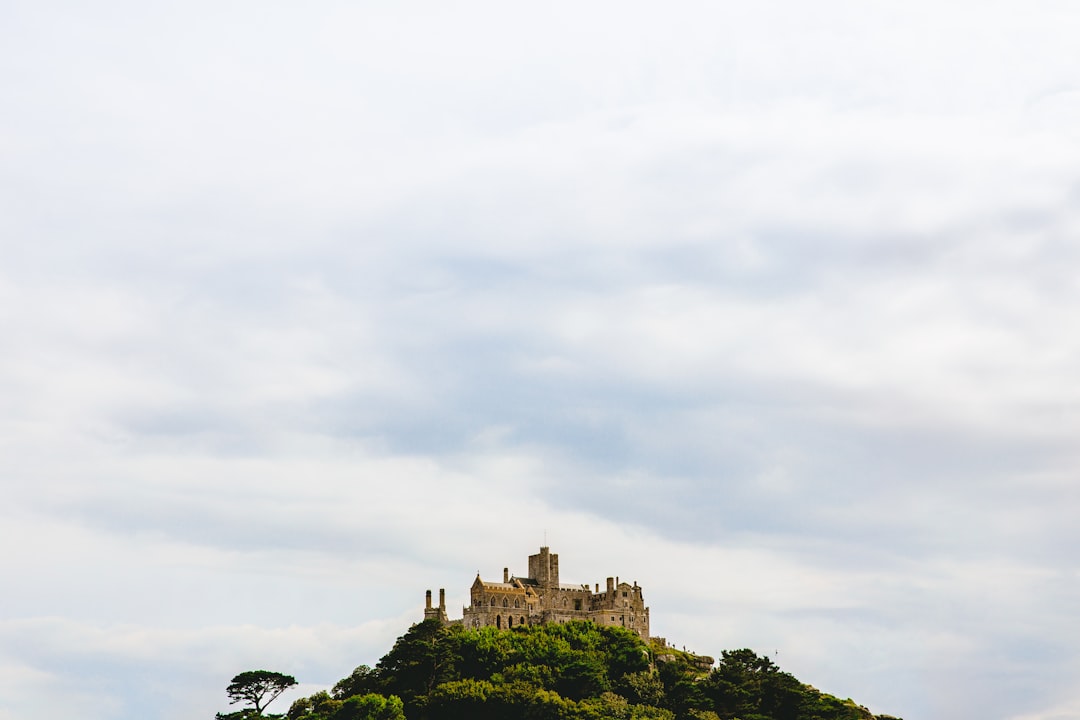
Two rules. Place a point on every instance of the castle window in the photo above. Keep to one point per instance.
(521, 621)
(517, 603)
(498, 621)
(492, 602)
(510, 621)
(506, 603)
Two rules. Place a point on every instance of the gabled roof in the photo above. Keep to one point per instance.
(500, 586)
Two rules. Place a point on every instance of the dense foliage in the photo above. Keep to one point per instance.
(575, 671)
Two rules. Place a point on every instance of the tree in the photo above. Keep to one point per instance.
(420, 660)
(319, 706)
(463, 700)
(258, 687)
(371, 706)
(363, 680)
(644, 688)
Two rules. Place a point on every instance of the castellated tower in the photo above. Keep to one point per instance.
(544, 568)
(540, 598)
(438, 613)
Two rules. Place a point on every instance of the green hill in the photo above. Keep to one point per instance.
(574, 671)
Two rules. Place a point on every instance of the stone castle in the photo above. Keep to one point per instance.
(540, 598)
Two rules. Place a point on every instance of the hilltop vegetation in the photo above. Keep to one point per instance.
(574, 671)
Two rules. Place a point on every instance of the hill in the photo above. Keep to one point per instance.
(572, 671)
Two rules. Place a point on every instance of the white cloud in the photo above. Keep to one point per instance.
(306, 312)
(123, 670)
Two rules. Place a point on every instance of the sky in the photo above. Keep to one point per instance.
(307, 308)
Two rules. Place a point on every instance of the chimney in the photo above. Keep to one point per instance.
(611, 584)
(442, 598)
(428, 603)
(598, 588)
(506, 575)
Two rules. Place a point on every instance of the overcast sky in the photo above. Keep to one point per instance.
(306, 308)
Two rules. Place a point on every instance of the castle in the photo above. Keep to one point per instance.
(540, 598)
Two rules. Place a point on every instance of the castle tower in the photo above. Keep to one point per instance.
(439, 613)
(544, 568)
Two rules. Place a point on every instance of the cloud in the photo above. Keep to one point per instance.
(122, 670)
(771, 307)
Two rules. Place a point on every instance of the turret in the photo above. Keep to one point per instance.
(439, 613)
(544, 568)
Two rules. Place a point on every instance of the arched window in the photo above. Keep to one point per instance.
(506, 603)
(510, 621)
(498, 621)
(521, 620)
(492, 602)
(517, 603)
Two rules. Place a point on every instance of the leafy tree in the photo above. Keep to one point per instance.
(485, 651)
(363, 680)
(247, 714)
(258, 687)
(583, 675)
(647, 712)
(371, 706)
(527, 673)
(682, 686)
(609, 706)
(702, 715)
(367, 706)
(642, 687)
(624, 651)
(320, 705)
(462, 700)
(420, 660)
(300, 708)
(549, 705)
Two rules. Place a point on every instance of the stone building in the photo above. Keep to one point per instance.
(541, 598)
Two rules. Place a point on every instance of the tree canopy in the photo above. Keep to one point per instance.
(258, 687)
(572, 671)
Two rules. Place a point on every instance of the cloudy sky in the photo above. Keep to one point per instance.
(306, 308)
